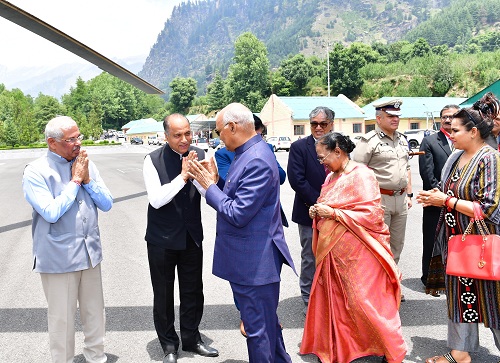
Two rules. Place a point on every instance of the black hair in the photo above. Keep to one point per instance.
(447, 107)
(333, 139)
(488, 105)
(258, 123)
(469, 118)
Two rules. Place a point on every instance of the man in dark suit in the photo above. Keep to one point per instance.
(306, 175)
(250, 246)
(437, 148)
(174, 235)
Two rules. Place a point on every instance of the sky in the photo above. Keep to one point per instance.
(115, 28)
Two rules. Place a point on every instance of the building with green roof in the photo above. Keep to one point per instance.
(417, 112)
(289, 116)
(493, 88)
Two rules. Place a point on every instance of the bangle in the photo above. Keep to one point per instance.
(77, 183)
(409, 195)
(455, 205)
(445, 204)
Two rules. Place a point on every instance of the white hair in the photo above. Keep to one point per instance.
(55, 128)
(240, 115)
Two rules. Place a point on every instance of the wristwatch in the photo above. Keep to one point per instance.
(410, 195)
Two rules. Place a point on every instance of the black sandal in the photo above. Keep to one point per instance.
(446, 356)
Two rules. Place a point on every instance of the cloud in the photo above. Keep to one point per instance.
(114, 28)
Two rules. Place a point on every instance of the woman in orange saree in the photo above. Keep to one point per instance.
(355, 296)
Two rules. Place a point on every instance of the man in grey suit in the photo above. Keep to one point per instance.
(437, 148)
(65, 190)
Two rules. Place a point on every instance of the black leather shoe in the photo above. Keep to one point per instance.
(170, 358)
(202, 349)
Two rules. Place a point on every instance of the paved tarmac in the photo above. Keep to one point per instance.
(127, 289)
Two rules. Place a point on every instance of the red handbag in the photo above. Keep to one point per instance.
(474, 255)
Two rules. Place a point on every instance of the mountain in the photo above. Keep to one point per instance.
(199, 36)
(57, 80)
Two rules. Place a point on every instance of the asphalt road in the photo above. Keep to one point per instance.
(127, 289)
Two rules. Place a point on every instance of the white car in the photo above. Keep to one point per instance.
(152, 140)
(279, 142)
(416, 136)
(201, 142)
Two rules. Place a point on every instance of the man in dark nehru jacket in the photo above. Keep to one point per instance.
(385, 151)
(174, 235)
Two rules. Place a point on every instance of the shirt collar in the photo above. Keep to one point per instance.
(249, 143)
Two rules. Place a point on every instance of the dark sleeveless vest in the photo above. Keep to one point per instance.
(167, 226)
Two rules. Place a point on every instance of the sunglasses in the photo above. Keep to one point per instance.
(217, 132)
(323, 125)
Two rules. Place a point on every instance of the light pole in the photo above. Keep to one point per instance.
(328, 65)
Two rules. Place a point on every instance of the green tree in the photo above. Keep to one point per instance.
(249, 73)
(345, 66)
(280, 85)
(420, 48)
(10, 134)
(183, 92)
(215, 93)
(297, 71)
(45, 109)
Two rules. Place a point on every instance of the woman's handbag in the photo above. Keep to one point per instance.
(474, 255)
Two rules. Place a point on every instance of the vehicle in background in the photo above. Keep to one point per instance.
(136, 141)
(201, 142)
(152, 140)
(220, 146)
(213, 143)
(416, 136)
(120, 135)
(279, 142)
(160, 138)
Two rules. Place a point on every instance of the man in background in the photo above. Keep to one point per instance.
(306, 175)
(65, 190)
(174, 237)
(437, 148)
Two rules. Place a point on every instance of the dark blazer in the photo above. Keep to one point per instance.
(249, 229)
(306, 175)
(431, 163)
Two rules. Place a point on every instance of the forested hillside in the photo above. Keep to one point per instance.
(198, 38)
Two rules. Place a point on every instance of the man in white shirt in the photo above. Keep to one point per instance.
(174, 237)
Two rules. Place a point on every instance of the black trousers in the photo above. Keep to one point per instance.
(189, 263)
(429, 224)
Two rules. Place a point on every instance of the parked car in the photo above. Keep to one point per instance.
(200, 142)
(220, 146)
(279, 142)
(160, 138)
(416, 136)
(136, 141)
(152, 140)
(120, 135)
(213, 143)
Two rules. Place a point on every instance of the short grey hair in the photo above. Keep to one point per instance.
(240, 115)
(329, 114)
(55, 128)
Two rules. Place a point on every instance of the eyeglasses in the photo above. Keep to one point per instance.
(217, 132)
(72, 140)
(322, 160)
(323, 125)
(447, 117)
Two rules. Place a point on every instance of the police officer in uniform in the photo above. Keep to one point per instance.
(385, 151)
